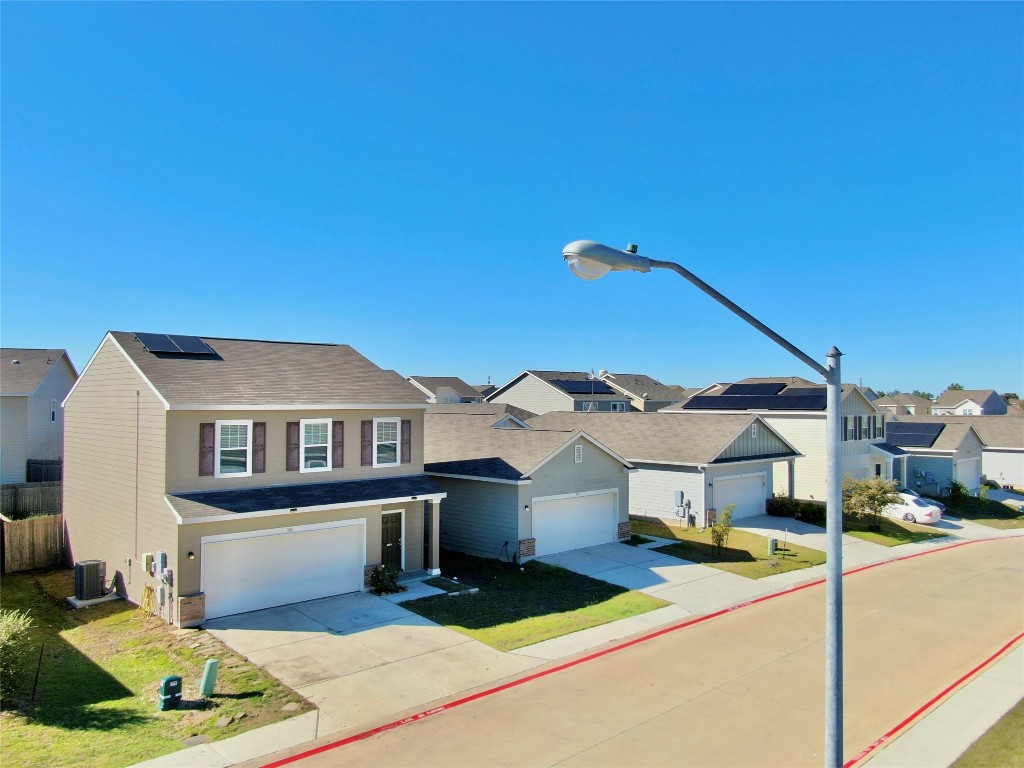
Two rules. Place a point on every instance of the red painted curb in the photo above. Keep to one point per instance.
(598, 654)
(933, 701)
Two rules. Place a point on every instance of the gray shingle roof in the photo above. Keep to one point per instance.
(952, 397)
(954, 432)
(32, 366)
(1005, 431)
(259, 373)
(433, 383)
(637, 385)
(903, 398)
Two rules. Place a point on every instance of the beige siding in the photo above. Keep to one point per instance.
(114, 504)
(479, 517)
(535, 396)
(183, 449)
(652, 490)
(13, 438)
(45, 437)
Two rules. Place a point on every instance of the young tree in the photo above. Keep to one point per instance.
(721, 529)
(868, 497)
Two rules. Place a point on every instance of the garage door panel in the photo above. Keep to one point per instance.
(581, 521)
(262, 571)
(747, 493)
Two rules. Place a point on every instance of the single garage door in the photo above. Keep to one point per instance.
(746, 492)
(581, 521)
(968, 472)
(262, 569)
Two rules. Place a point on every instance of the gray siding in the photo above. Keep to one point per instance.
(478, 517)
(746, 445)
(939, 467)
(535, 396)
(1004, 466)
(13, 438)
(653, 487)
(46, 438)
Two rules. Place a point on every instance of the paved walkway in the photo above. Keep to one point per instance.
(362, 659)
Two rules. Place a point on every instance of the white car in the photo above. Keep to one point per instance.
(933, 502)
(914, 509)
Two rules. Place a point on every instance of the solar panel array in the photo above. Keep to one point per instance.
(812, 402)
(913, 434)
(174, 344)
(586, 387)
(802, 391)
(754, 389)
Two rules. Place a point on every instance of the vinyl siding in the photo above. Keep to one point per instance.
(1006, 467)
(183, 449)
(535, 396)
(746, 445)
(478, 517)
(45, 437)
(114, 506)
(732, 470)
(652, 489)
(13, 438)
(940, 468)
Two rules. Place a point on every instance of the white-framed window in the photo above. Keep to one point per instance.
(619, 407)
(587, 405)
(233, 448)
(968, 411)
(753, 430)
(314, 445)
(53, 411)
(578, 454)
(387, 434)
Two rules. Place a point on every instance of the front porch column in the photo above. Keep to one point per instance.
(791, 466)
(435, 539)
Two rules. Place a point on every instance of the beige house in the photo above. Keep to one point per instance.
(218, 476)
(969, 402)
(904, 404)
(446, 389)
(33, 382)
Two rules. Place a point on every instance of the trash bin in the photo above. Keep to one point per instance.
(169, 693)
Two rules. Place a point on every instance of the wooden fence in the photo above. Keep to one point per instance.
(37, 542)
(43, 470)
(19, 500)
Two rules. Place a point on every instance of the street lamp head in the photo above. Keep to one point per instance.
(589, 260)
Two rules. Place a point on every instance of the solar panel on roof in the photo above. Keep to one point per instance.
(586, 387)
(191, 345)
(792, 391)
(754, 389)
(177, 344)
(157, 342)
(811, 402)
(912, 434)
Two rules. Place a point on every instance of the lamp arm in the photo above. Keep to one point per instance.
(737, 310)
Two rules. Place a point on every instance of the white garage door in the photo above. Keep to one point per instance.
(747, 493)
(262, 569)
(580, 521)
(968, 472)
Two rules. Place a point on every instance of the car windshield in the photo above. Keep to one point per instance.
(919, 503)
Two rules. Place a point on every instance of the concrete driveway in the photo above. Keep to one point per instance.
(362, 658)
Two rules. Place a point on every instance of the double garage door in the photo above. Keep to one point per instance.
(579, 521)
(747, 492)
(261, 569)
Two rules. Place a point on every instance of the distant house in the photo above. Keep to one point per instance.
(903, 404)
(33, 383)
(484, 389)
(644, 393)
(969, 402)
(544, 391)
(1002, 457)
(446, 389)
(942, 449)
(515, 493)
(219, 476)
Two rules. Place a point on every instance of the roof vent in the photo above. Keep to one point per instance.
(15, 362)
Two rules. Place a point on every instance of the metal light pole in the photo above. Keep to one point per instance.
(589, 260)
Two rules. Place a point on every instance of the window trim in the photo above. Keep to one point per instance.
(247, 423)
(53, 411)
(577, 454)
(618, 407)
(397, 421)
(302, 445)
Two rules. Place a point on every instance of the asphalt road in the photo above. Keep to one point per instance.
(742, 689)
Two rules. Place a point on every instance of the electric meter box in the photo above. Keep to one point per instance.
(169, 693)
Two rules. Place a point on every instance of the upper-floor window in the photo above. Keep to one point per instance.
(586, 405)
(53, 411)
(386, 433)
(619, 407)
(315, 446)
(233, 448)
(968, 411)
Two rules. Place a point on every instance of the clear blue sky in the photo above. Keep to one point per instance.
(402, 178)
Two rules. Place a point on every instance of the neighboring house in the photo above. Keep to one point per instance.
(969, 402)
(869, 393)
(796, 411)
(941, 450)
(259, 473)
(645, 393)
(689, 463)
(903, 404)
(484, 389)
(1002, 456)
(544, 391)
(33, 382)
(515, 493)
(446, 389)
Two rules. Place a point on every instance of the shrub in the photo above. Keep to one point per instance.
(957, 490)
(384, 580)
(14, 645)
(868, 497)
(806, 510)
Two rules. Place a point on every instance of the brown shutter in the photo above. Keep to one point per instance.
(291, 459)
(366, 448)
(259, 446)
(406, 441)
(206, 449)
(338, 444)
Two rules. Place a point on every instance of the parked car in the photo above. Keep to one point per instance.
(933, 502)
(914, 509)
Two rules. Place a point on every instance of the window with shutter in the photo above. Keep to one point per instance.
(386, 439)
(233, 448)
(315, 447)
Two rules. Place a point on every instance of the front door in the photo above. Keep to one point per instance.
(391, 539)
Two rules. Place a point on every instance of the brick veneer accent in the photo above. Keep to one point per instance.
(367, 574)
(191, 610)
(527, 548)
(624, 531)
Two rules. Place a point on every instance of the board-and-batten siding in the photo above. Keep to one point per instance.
(479, 517)
(114, 438)
(652, 489)
(535, 396)
(45, 437)
(13, 438)
(747, 446)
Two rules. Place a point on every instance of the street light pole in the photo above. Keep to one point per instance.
(589, 261)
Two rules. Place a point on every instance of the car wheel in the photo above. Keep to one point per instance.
(910, 518)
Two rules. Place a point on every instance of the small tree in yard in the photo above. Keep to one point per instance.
(14, 639)
(869, 498)
(721, 529)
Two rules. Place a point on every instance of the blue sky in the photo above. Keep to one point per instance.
(403, 177)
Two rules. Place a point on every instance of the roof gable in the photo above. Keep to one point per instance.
(23, 370)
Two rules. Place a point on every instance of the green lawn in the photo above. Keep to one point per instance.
(890, 532)
(994, 514)
(1001, 745)
(517, 607)
(746, 553)
(96, 702)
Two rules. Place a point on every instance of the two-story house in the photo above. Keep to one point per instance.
(33, 382)
(904, 404)
(969, 402)
(644, 393)
(545, 391)
(218, 476)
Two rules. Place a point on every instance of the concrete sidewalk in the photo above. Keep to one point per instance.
(692, 589)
